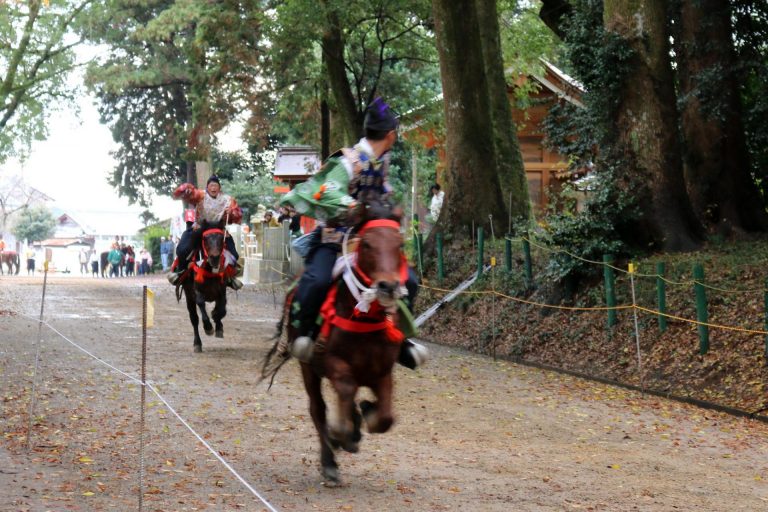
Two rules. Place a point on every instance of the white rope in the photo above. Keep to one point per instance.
(168, 406)
(130, 377)
(362, 294)
(214, 452)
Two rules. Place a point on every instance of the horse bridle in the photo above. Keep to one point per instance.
(213, 231)
(363, 293)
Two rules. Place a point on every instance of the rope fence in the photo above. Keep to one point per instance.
(144, 385)
(698, 285)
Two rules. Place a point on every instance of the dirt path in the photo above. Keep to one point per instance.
(472, 434)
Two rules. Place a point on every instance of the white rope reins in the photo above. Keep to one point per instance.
(362, 294)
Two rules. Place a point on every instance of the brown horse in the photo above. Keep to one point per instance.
(10, 259)
(355, 348)
(207, 283)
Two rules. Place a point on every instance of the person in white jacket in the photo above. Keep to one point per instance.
(437, 201)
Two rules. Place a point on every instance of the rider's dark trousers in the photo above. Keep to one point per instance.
(192, 239)
(315, 283)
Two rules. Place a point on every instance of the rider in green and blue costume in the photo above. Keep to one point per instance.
(327, 196)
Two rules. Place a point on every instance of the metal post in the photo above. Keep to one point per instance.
(661, 294)
(701, 308)
(37, 358)
(637, 328)
(420, 244)
(610, 289)
(528, 265)
(143, 394)
(508, 254)
(414, 180)
(480, 244)
(440, 268)
(493, 308)
(415, 240)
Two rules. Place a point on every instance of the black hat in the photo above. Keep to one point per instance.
(379, 117)
(214, 179)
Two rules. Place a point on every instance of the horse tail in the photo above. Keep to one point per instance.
(278, 354)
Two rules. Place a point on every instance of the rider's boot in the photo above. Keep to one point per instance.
(177, 269)
(412, 354)
(234, 283)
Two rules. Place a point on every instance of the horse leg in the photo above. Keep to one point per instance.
(189, 293)
(312, 383)
(378, 416)
(346, 430)
(207, 325)
(218, 313)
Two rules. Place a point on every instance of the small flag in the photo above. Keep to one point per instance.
(150, 308)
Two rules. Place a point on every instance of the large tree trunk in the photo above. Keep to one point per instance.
(717, 161)
(349, 118)
(471, 178)
(646, 121)
(509, 160)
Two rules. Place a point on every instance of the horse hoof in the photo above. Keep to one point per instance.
(219, 333)
(198, 349)
(208, 330)
(351, 447)
(331, 476)
(367, 407)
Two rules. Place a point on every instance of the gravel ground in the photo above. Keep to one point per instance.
(471, 433)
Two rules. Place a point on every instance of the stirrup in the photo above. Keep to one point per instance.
(412, 354)
(174, 277)
(302, 348)
(234, 283)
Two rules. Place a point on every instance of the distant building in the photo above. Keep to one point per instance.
(545, 169)
(294, 164)
(15, 194)
(92, 230)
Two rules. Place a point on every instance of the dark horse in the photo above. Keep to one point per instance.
(356, 349)
(10, 259)
(207, 283)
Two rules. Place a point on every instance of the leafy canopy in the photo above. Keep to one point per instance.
(34, 224)
(36, 57)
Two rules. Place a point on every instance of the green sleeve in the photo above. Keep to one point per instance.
(327, 203)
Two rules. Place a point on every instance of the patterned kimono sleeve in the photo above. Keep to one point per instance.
(323, 196)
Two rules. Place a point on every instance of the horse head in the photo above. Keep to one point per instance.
(380, 259)
(213, 248)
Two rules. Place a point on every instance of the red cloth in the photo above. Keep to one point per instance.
(330, 319)
(192, 195)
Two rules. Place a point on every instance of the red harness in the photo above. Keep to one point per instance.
(376, 312)
(201, 274)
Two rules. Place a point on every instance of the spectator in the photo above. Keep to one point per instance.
(284, 215)
(165, 251)
(144, 262)
(130, 261)
(295, 226)
(269, 220)
(115, 257)
(30, 261)
(437, 201)
(83, 258)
